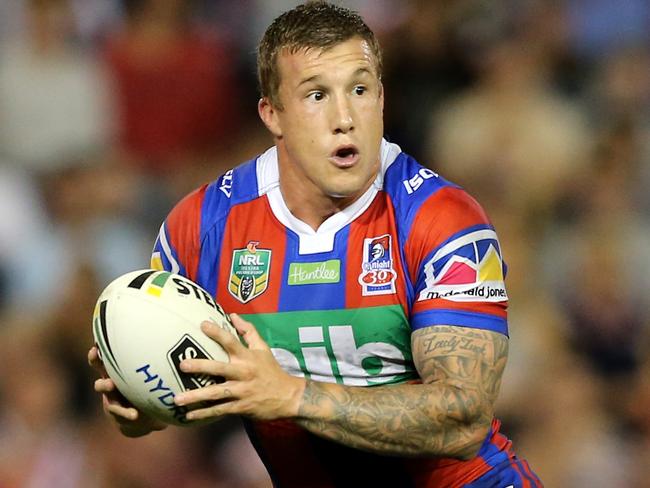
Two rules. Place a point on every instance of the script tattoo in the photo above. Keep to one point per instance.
(448, 415)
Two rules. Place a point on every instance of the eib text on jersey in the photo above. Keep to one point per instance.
(347, 349)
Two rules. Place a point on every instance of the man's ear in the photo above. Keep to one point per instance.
(269, 115)
(381, 96)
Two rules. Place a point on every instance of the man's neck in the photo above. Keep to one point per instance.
(304, 199)
(308, 206)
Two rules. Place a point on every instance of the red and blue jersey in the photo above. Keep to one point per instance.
(339, 304)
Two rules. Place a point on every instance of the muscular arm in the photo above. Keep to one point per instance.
(449, 414)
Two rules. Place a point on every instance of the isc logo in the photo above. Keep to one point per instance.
(339, 359)
(415, 181)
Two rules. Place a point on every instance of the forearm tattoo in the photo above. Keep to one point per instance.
(448, 415)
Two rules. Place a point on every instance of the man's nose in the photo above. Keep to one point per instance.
(343, 121)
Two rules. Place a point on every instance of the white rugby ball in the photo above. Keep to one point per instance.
(144, 324)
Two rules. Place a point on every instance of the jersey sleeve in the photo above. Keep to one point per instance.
(456, 265)
(177, 247)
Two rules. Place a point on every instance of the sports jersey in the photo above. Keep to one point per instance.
(340, 303)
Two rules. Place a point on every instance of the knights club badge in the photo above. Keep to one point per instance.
(377, 272)
(249, 272)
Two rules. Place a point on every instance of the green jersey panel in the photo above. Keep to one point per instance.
(359, 347)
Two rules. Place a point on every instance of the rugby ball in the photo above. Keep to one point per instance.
(144, 324)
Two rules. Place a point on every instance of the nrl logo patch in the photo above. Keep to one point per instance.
(249, 272)
(377, 274)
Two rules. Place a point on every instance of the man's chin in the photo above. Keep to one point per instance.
(345, 194)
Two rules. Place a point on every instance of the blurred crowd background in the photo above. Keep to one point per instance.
(110, 111)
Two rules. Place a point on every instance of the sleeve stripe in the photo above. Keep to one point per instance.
(459, 318)
(167, 249)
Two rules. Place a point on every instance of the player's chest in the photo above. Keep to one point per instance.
(265, 267)
(332, 306)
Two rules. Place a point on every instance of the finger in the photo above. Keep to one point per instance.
(93, 355)
(105, 385)
(120, 412)
(212, 368)
(210, 393)
(249, 333)
(95, 361)
(228, 341)
(214, 411)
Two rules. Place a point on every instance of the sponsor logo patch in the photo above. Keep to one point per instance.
(313, 273)
(361, 346)
(469, 268)
(249, 272)
(188, 348)
(377, 274)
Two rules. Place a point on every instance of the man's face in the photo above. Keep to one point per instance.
(330, 127)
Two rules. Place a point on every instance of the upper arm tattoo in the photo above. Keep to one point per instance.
(468, 360)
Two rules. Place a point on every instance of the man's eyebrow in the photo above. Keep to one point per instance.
(316, 78)
(309, 80)
(362, 71)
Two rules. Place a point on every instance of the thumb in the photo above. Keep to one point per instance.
(248, 332)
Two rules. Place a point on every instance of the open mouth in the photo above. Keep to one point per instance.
(345, 156)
